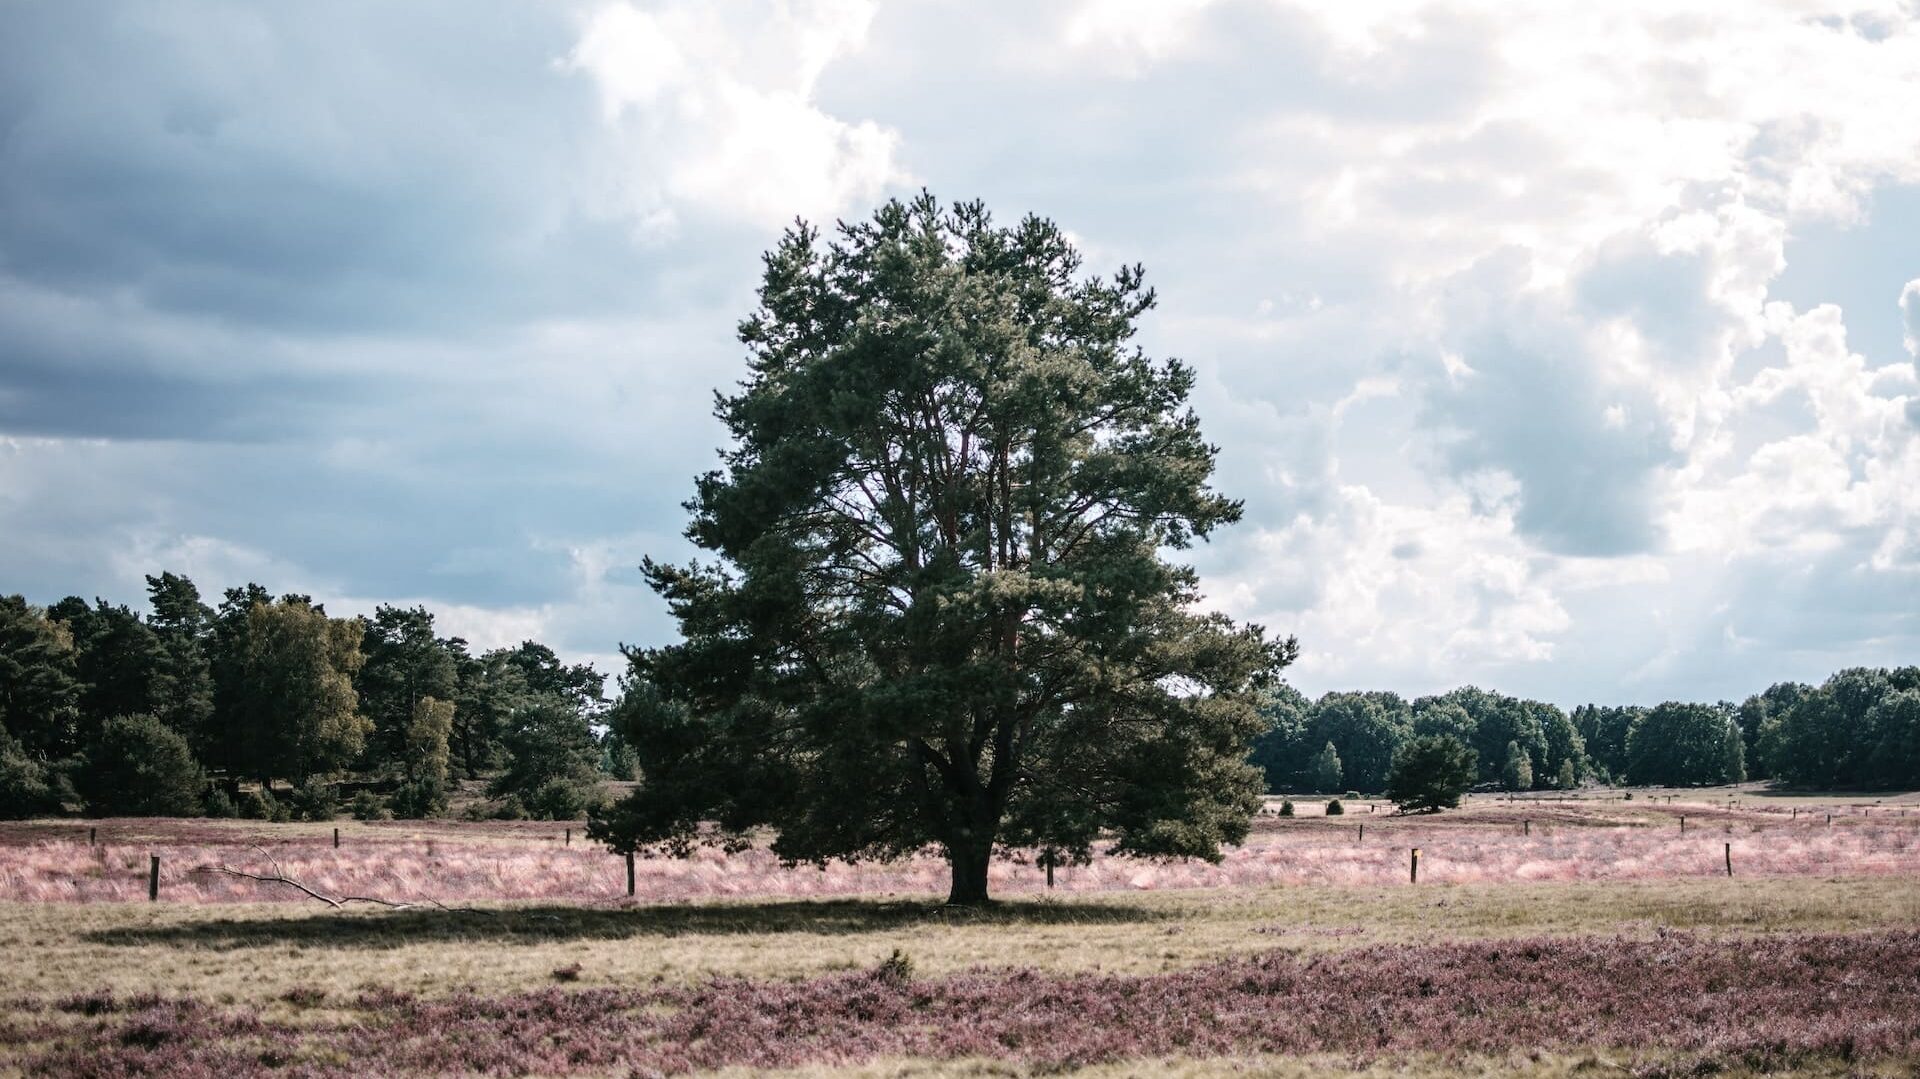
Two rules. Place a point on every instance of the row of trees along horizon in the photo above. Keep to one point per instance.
(198, 710)
(202, 710)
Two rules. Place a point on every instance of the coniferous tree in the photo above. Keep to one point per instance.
(1430, 773)
(940, 612)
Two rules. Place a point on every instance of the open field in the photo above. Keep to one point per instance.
(1544, 938)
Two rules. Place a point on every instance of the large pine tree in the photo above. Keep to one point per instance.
(939, 611)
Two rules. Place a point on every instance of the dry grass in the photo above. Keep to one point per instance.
(256, 953)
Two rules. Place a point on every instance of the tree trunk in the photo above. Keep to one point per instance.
(969, 861)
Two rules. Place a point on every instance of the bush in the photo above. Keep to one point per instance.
(218, 803)
(313, 800)
(418, 798)
(509, 808)
(262, 805)
(1335, 809)
(367, 805)
(1431, 773)
(27, 789)
(138, 766)
(1286, 808)
(560, 799)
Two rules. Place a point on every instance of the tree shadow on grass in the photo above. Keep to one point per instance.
(377, 930)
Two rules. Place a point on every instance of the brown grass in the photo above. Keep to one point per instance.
(257, 953)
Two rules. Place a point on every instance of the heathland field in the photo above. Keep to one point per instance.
(1585, 936)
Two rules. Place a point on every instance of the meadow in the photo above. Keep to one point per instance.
(1544, 937)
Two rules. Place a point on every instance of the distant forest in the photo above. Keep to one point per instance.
(269, 707)
(1858, 730)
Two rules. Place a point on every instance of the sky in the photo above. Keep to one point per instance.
(1571, 350)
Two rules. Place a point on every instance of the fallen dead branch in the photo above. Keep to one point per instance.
(337, 902)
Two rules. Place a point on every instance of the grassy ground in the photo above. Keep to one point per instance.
(256, 953)
(297, 965)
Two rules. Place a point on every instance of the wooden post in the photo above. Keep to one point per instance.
(569, 837)
(1526, 827)
(153, 877)
(1796, 813)
(1363, 831)
(1369, 807)
(336, 839)
(629, 872)
(1829, 818)
(93, 834)
(1047, 859)
(1729, 859)
(1683, 824)
(1413, 867)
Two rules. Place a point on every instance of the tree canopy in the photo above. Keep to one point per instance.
(938, 610)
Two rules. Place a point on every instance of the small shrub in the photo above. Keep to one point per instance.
(568, 973)
(1335, 809)
(218, 803)
(418, 798)
(558, 799)
(262, 805)
(304, 996)
(367, 805)
(509, 808)
(26, 788)
(1286, 808)
(896, 969)
(313, 800)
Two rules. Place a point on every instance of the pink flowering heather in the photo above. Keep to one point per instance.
(1680, 999)
(1564, 844)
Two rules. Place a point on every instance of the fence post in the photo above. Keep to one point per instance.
(1526, 827)
(153, 877)
(1683, 824)
(1413, 867)
(336, 839)
(1363, 831)
(569, 837)
(629, 872)
(1729, 859)
(93, 834)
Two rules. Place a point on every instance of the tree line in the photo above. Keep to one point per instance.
(270, 707)
(1860, 729)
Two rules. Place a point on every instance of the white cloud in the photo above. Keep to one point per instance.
(711, 110)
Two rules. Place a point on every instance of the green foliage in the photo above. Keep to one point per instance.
(405, 664)
(299, 714)
(367, 805)
(417, 799)
(1861, 728)
(1335, 809)
(182, 679)
(1517, 773)
(27, 787)
(1326, 769)
(137, 766)
(553, 772)
(313, 799)
(39, 682)
(218, 804)
(260, 804)
(938, 611)
(1366, 728)
(1278, 751)
(1286, 808)
(423, 752)
(1566, 780)
(560, 799)
(1604, 730)
(1680, 745)
(1430, 773)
